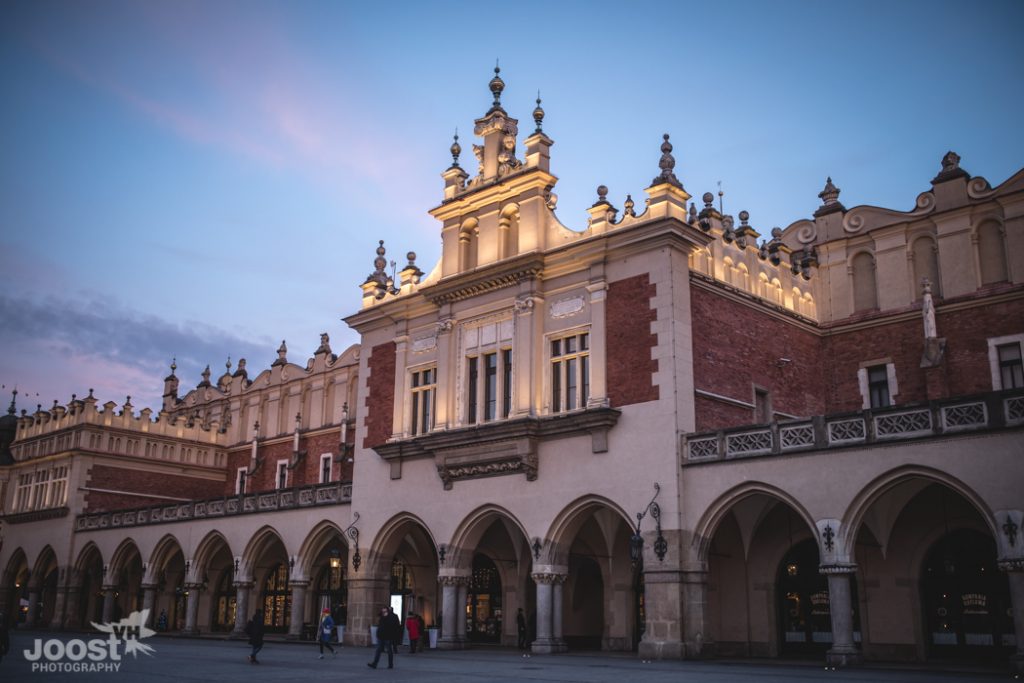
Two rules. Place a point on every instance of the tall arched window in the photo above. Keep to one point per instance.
(277, 599)
(508, 232)
(991, 253)
(865, 295)
(926, 265)
(468, 245)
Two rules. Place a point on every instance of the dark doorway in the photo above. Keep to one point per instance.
(966, 599)
(483, 603)
(805, 616)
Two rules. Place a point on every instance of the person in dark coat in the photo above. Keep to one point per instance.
(255, 630)
(326, 629)
(389, 632)
(5, 637)
(521, 628)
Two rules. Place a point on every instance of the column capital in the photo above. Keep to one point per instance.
(548, 577)
(453, 580)
(243, 584)
(1012, 565)
(193, 585)
(300, 583)
(837, 568)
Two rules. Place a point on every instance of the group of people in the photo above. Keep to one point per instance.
(389, 634)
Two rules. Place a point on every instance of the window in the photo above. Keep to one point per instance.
(240, 480)
(762, 406)
(58, 486)
(878, 386)
(1006, 361)
(40, 488)
(489, 386)
(22, 493)
(877, 380)
(424, 388)
(282, 474)
(325, 468)
(570, 372)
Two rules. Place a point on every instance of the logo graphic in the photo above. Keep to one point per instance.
(95, 654)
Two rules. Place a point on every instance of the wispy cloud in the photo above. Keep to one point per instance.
(74, 345)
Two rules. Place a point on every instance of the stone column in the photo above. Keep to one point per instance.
(242, 589)
(544, 642)
(108, 603)
(461, 607)
(444, 405)
(298, 616)
(449, 618)
(696, 641)
(149, 602)
(33, 607)
(72, 606)
(528, 350)
(558, 642)
(1015, 574)
(598, 382)
(191, 609)
(57, 621)
(843, 651)
(663, 605)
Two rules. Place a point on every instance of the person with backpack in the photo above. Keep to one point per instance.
(255, 630)
(326, 629)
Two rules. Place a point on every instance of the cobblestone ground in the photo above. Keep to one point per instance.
(210, 660)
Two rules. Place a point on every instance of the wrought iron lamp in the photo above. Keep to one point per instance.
(636, 541)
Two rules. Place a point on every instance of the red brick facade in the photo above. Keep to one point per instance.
(629, 341)
(121, 488)
(737, 346)
(380, 398)
(305, 474)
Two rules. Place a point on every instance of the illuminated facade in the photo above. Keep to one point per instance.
(656, 433)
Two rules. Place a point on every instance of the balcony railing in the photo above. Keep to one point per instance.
(995, 410)
(334, 493)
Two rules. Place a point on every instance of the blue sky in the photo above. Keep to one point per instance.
(204, 179)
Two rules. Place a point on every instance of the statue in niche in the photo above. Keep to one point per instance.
(507, 161)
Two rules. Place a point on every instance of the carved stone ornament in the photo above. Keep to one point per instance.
(566, 307)
(445, 326)
(424, 344)
(524, 304)
(548, 578)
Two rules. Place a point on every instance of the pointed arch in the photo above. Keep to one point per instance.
(209, 546)
(46, 557)
(393, 532)
(15, 561)
(705, 528)
(571, 518)
(162, 553)
(84, 554)
(122, 555)
(260, 541)
(317, 538)
(470, 531)
(886, 482)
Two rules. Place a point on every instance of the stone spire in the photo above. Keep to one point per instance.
(13, 408)
(497, 86)
(538, 115)
(829, 199)
(667, 164)
(456, 150)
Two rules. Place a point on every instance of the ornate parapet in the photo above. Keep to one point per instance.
(498, 448)
(334, 493)
(984, 412)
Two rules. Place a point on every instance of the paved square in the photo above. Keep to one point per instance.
(204, 660)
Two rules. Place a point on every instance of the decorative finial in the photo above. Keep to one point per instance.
(708, 199)
(538, 115)
(692, 215)
(456, 150)
(13, 408)
(950, 162)
(667, 164)
(90, 392)
(628, 206)
(744, 217)
(602, 195)
(228, 364)
(127, 401)
(206, 376)
(496, 85)
(174, 366)
(721, 194)
(829, 195)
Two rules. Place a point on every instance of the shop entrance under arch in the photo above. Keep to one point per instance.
(802, 603)
(484, 612)
(966, 599)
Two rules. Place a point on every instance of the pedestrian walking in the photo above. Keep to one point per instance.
(161, 621)
(412, 625)
(521, 628)
(5, 637)
(326, 629)
(255, 630)
(389, 630)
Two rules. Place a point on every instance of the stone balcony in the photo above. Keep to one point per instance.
(983, 412)
(334, 493)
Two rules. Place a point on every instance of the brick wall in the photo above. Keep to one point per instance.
(737, 346)
(380, 397)
(307, 472)
(120, 479)
(629, 341)
(966, 366)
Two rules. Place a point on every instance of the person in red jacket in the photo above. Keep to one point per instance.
(412, 625)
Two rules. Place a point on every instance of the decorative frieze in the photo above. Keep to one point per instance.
(286, 499)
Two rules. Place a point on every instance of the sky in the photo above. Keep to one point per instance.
(200, 180)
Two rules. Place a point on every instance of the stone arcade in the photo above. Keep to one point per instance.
(656, 433)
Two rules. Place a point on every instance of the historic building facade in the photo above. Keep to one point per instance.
(656, 433)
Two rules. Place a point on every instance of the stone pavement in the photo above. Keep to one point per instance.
(206, 660)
